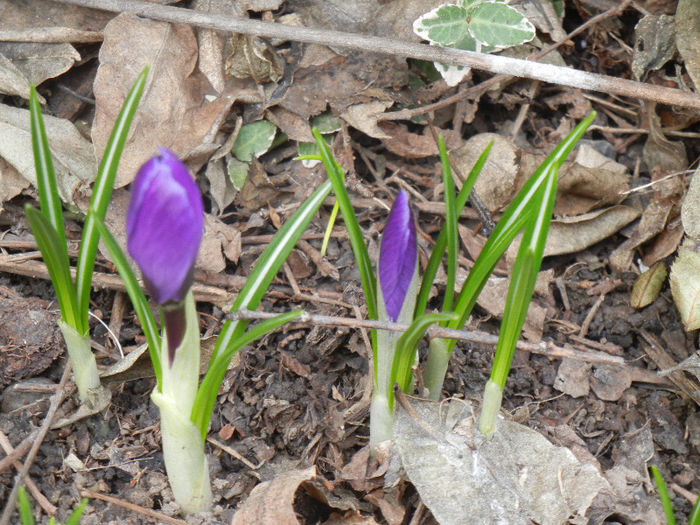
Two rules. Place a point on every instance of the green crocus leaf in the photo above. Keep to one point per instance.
(53, 251)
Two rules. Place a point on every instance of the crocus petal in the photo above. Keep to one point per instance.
(398, 254)
(164, 226)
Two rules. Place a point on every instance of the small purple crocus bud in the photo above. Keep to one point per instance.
(164, 226)
(398, 257)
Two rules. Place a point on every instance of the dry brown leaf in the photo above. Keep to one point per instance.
(497, 183)
(393, 18)
(273, 501)
(39, 61)
(11, 182)
(173, 112)
(685, 284)
(74, 162)
(665, 244)
(573, 234)
(493, 299)
(211, 257)
(364, 117)
(410, 145)
(250, 57)
(648, 286)
(221, 188)
(340, 82)
(690, 209)
(688, 37)
(653, 221)
(291, 124)
(212, 43)
(590, 181)
(12, 80)
(20, 14)
(659, 153)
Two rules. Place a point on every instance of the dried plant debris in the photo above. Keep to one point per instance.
(655, 44)
(516, 477)
(648, 286)
(685, 284)
(273, 501)
(173, 112)
(73, 157)
(688, 37)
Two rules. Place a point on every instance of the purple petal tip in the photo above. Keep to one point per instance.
(164, 225)
(398, 254)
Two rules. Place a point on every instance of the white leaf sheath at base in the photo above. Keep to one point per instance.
(81, 359)
(493, 395)
(183, 448)
(183, 453)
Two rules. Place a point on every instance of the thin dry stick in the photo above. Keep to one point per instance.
(19, 452)
(494, 63)
(51, 35)
(56, 400)
(131, 506)
(479, 89)
(234, 453)
(548, 349)
(45, 504)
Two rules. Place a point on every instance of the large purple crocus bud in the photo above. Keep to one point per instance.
(164, 226)
(164, 230)
(398, 258)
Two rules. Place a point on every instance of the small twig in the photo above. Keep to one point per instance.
(232, 452)
(591, 314)
(544, 348)
(136, 508)
(19, 452)
(493, 63)
(45, 504)
(51, 35)
(56, 400)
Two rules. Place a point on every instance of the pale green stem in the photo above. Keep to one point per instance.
(493, 396)
(436, 367)
(183, 448)
(82, 360)
(381, 417)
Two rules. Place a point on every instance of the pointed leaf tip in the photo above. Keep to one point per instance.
(398, 255)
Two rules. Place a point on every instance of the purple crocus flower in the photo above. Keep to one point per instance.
(398, 256)
(164, 226)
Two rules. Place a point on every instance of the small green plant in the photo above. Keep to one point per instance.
(473, 25)
(164, 231)
(26, 515)
(694, 518)
(402, 297)
(49, 231)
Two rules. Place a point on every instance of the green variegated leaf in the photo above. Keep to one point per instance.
(444, 25)
(499, 25)
(253, 140)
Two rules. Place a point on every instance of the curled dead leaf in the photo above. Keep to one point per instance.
(685, 284)
(273, 501)
(648, 286)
